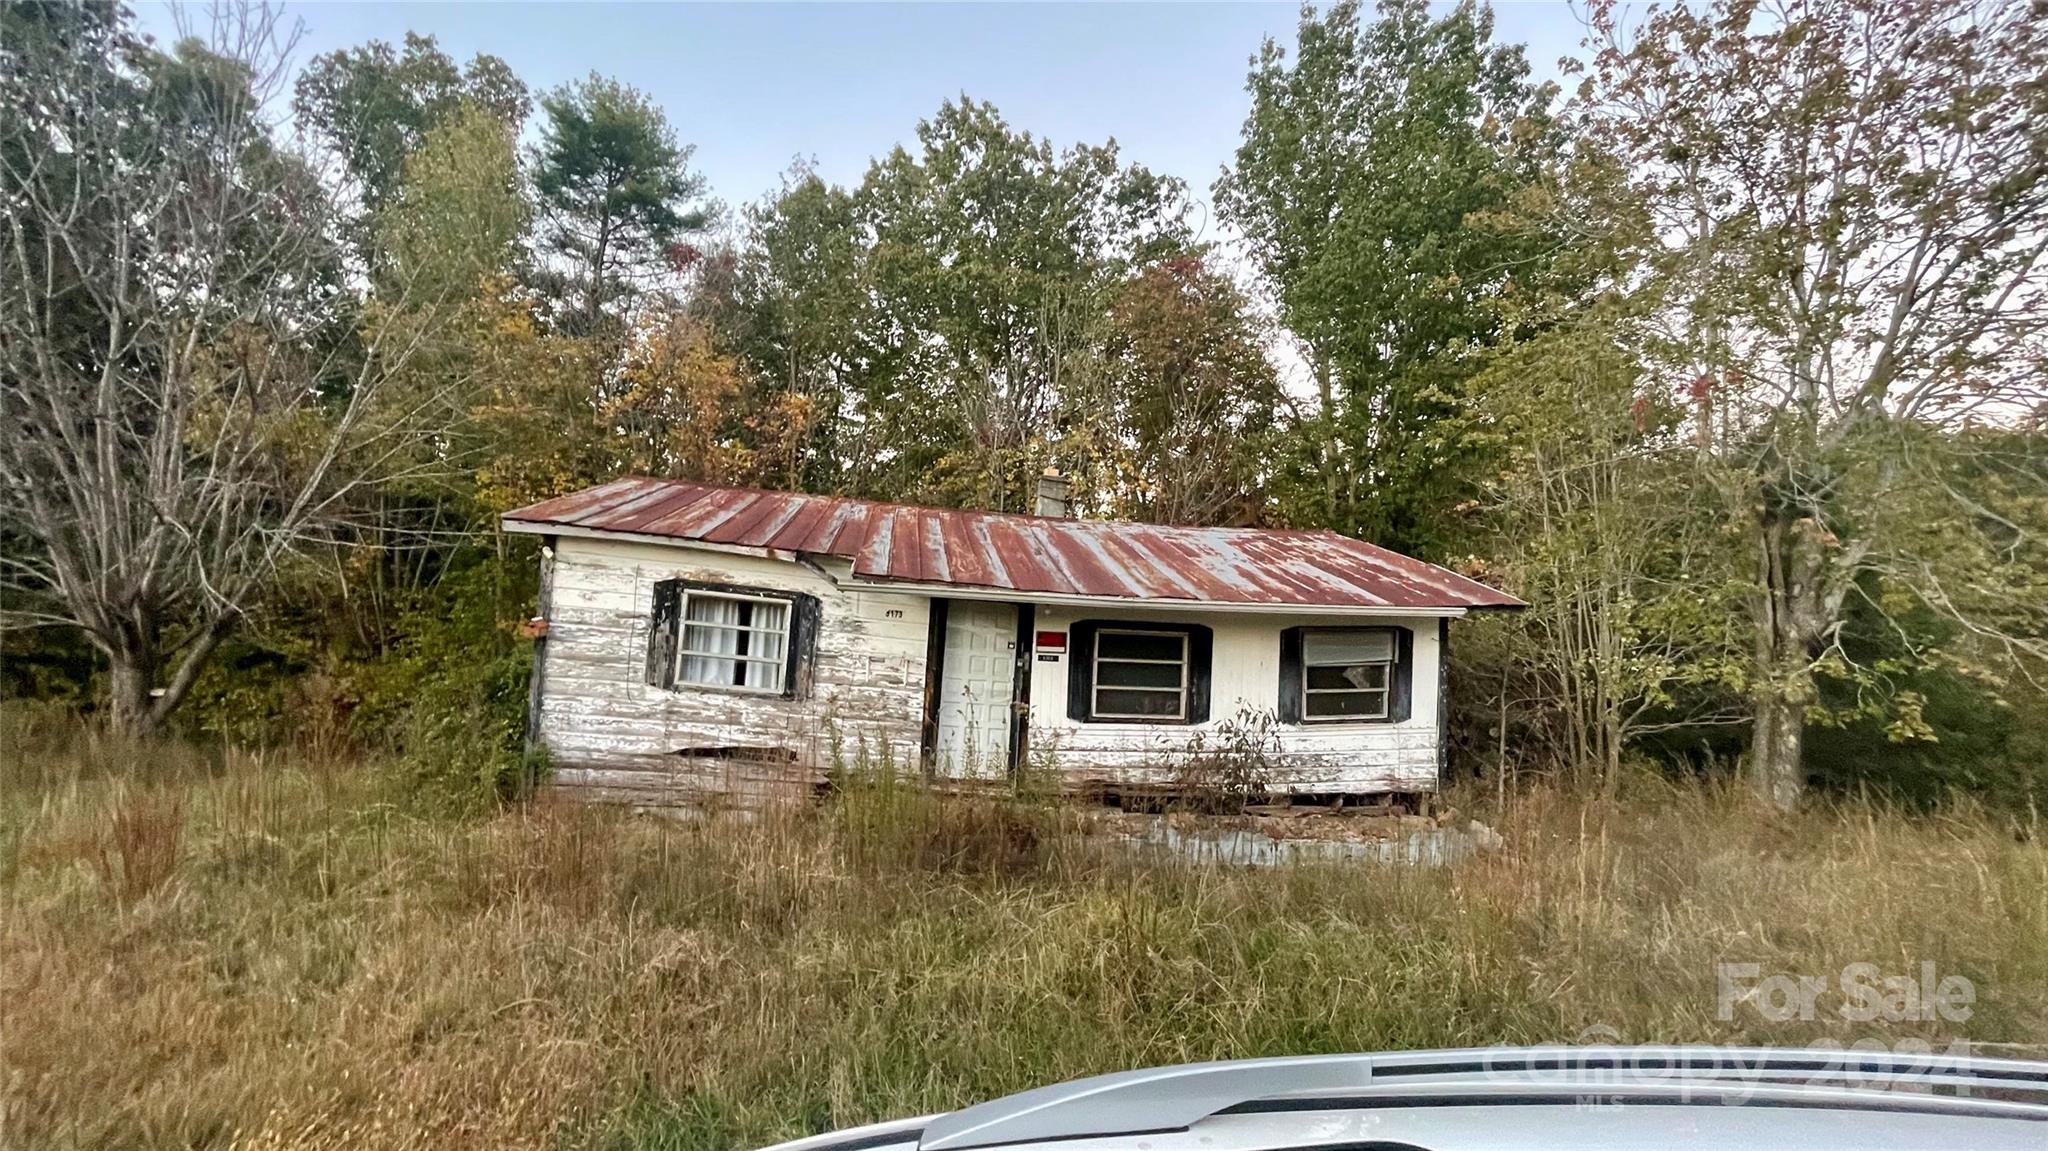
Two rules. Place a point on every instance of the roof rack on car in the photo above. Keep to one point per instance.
(1173, 1098)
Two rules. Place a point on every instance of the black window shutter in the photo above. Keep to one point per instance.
(1404, 675)
(1081, 671)
(661, 633)
(1201, 647)
(1290, 675)
(803, 647)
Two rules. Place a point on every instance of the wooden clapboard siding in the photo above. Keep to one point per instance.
(611, 735)
(1245, 676)
(1355, 759)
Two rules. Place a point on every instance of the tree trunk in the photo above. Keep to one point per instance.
(136, 706)
(1331, 449)
(1611, 740)
(1792, 616)
(1776, 743)
(130, 707)
(593, 300)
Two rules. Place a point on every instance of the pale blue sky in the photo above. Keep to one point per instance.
(754, 86)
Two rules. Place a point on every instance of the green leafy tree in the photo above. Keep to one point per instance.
(1919, 705)
(617, 200)
(450, 250)
(534, 416)
(1378, 185)
(802, 314)
(461, 216)
(182, 418)
(1850, 211)
(1184, 409)
(953, 299)
(1599, 518)
(373, 105)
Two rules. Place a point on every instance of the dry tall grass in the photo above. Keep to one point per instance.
(247, 951)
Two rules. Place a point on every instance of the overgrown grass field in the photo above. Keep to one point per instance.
(244, 950)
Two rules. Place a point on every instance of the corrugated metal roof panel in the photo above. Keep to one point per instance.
(1084, 558)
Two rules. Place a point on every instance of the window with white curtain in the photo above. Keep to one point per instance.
(1347, 674)
(732, 640)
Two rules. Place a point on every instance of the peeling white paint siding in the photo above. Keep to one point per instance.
(611, 735)
(1244, 671)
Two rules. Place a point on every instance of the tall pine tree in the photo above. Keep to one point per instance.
(617, 200)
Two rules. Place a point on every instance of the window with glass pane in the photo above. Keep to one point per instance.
(733, 641)
(1141, 675)
(1347, 674)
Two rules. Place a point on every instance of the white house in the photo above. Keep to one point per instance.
(703, 640)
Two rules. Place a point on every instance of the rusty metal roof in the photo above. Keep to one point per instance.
(1094, 559)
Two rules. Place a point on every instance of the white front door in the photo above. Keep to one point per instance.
(976, 685)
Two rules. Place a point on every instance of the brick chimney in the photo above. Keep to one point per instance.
(1052, 494)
